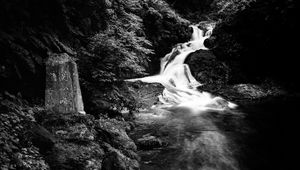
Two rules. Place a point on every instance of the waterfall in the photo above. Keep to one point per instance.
(180, 85)
(184, 117)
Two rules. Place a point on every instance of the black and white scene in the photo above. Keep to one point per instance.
(149, 85)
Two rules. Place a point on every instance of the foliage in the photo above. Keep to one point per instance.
(164, 28)
(36, 139)
(165, 10)
(16, 149)
(197, 10)
(121, 47)
(117, 52)
(137, 33)
(124, 47)
(223, 9)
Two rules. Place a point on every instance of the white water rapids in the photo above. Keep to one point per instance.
(180, 86)
(185, 119)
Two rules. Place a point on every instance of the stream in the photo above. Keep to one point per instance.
(186, 141)
(189, 129)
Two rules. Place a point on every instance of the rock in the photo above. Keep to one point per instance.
(77, 133)
(210, 42)
(70, 156)
(89, 144)
(76, 146)
(63, 92)
(116, 160)
(148, 142)
(42, 138)
(113, 132)
(207, 69)
(145, 94)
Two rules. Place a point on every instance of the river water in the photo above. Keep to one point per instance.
(189, 142)
(193, 130)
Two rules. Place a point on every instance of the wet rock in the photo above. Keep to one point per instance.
(145, 94)
(148, 142)
(63, 93)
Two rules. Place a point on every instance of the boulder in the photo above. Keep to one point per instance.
(148, 142)
(42, 138)
(145, 94)
(207, 69)
(118, 161)
(114, 132)
(63, 92)
(78, 132)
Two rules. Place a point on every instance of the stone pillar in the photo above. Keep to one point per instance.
(63, 92)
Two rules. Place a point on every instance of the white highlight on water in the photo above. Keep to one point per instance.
(180, 86)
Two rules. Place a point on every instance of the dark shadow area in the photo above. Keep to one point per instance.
(271, 142)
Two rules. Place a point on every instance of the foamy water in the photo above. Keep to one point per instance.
(182, 117)
(180, 85)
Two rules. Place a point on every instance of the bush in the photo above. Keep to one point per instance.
(122, 47)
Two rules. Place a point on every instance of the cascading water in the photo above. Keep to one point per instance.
(180, 85)
(183, 119)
